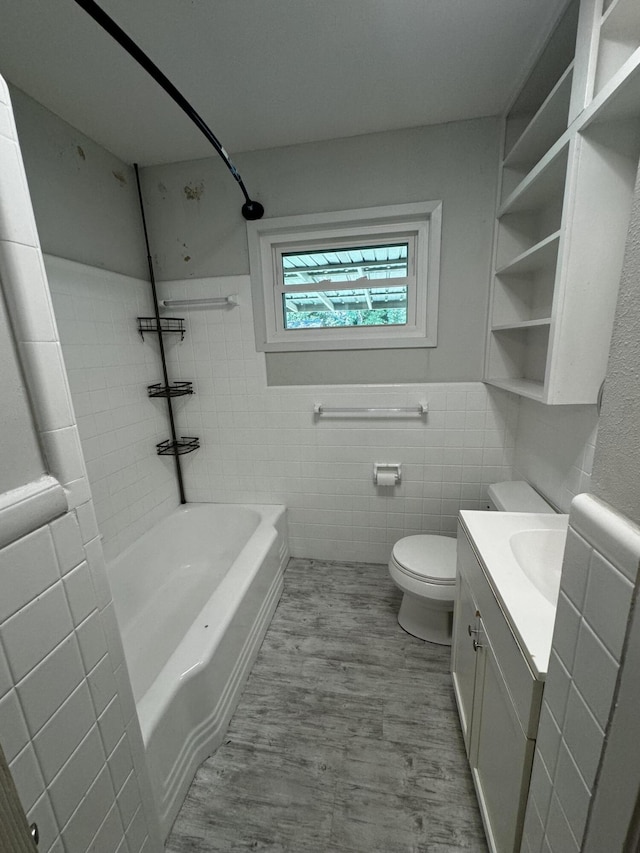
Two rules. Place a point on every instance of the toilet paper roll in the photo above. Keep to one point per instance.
(385, 478)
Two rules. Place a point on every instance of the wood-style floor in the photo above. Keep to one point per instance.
(346, 738)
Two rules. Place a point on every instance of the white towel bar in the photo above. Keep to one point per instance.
(221, 301)
(419, 411)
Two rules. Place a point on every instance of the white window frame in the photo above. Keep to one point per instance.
(269, 238)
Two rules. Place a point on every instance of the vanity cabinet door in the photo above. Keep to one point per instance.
(502, 756)
(463, 656)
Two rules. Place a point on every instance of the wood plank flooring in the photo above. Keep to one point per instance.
(346, 738)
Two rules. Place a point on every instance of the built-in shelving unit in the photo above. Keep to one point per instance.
(571, 150)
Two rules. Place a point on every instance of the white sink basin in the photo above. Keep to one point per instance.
(539, 554)
(521, 556)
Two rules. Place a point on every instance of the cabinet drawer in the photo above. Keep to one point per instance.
(525, 690)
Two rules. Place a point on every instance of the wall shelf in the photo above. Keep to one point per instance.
(544, 128)
(619, 39)
(523, 289)
(183, 445)
(543, 184)
(518, 353)
(523, 299)
(174, 389)
(523, 324)
(618, 99)
(522, 387)
(542, 254)
(553, 61)
(166, 325)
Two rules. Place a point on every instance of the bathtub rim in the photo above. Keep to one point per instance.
(180, 664)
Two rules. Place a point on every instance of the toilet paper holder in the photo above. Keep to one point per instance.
(387, 473)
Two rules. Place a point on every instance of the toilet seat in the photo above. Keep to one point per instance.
(423, 567)
(427, 558)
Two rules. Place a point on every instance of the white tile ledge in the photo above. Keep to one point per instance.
(29, 507)
(612, 534)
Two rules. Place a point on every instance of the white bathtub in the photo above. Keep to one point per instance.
(194, 597)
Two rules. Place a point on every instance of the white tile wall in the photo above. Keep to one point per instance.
(55, 679)
(62, 722)
(264, 445)
(600, 565)
(554, 449)
(109, 368)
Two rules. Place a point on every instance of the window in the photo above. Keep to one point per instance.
(353, 279)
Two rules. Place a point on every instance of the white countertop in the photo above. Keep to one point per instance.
(529, 614)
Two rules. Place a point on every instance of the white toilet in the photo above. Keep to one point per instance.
(424, 567)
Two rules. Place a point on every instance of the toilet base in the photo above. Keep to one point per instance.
(425, 622)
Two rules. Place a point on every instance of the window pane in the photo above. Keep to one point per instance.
(323, 309)
(352, 264)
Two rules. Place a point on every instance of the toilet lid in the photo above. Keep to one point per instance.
(430, 558)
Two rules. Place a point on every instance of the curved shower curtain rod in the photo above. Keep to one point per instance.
(250, 209)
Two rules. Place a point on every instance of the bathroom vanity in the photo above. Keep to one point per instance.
(508, 576)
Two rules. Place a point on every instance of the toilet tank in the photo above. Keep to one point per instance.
(516, 496)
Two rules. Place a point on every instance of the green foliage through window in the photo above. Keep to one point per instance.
(330, 319)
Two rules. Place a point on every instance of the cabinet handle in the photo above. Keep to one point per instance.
(476, 645)
(472, 631)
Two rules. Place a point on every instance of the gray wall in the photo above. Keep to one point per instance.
(84, 198)
(197, 230)
(616, 467)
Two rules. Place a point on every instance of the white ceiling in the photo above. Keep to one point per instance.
(265, 73)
